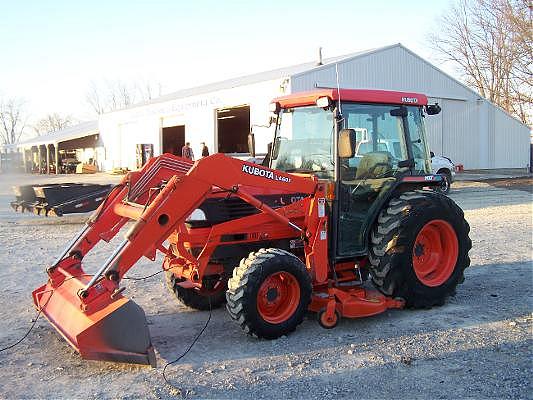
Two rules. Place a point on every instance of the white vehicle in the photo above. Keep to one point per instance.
(445, 167)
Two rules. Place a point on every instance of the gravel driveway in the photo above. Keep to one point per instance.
(476, 346)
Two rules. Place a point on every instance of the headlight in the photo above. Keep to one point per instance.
(197, 215)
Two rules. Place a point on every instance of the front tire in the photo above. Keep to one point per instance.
(420, 248)
(269, 293)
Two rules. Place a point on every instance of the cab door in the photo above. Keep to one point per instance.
(369, 175)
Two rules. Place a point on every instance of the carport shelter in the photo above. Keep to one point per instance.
(41, 153)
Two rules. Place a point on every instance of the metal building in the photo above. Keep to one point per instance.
(470, 130)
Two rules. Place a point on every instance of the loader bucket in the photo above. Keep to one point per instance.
(114, 330)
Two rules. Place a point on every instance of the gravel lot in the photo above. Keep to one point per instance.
(479, 345)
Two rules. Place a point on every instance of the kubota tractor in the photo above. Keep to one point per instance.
(338, 201)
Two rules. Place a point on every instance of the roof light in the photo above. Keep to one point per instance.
(323, 102)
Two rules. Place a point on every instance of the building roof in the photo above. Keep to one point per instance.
(74, 132)
(254, 78)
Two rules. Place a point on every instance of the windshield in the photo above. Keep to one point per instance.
(304, 142)
(377, 131)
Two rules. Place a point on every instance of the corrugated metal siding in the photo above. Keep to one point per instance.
(434, 129)
(460, 132)
(393, 68)
(490, 134)
(511, 141)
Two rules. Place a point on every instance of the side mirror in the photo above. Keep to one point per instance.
(266, 160)
(251, 144)
(433, 109)
(275, 149)
(346, 144)
(399, 112)
(432, 154)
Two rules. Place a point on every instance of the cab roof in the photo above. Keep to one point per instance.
(353, 95)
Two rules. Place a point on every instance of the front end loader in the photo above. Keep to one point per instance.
(338, 201)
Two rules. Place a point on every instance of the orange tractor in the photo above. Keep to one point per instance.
(342, 197)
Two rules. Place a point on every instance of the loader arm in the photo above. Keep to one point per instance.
(89, 310)
(167, 212)
(136, 187)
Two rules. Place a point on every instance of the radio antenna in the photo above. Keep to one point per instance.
(338, 86)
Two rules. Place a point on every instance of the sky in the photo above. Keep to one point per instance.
(53, 50)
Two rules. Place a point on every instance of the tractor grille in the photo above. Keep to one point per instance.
(235, 207)
(220, 210)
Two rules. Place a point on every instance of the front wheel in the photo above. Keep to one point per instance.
(269, 293)
(420, 248)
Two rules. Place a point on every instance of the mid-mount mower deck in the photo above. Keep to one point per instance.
(331, 207)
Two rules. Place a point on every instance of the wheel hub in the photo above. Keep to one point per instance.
(419, 249)
(272, 294)
(278, 297)
(435, 252)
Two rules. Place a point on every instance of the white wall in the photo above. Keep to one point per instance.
(434, 129)
(511, 140)
(478, 135)
(122, 130)
(460, 132)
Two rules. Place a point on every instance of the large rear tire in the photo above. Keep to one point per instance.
(419, 248)
(213, 287)
(269, 293)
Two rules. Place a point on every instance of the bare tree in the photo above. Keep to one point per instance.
(95, 98)
(51, 123)
(12, 120)
(111, 95)
(490, 42)
(148, 90)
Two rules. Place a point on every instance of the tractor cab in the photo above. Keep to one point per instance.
(365, 141)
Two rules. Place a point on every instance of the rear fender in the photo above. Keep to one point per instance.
(405, 184)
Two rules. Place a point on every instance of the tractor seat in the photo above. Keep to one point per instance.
(374, 172)
(377, 164)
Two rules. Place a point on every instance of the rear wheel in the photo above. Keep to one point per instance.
(269, 293)
(420, 248)
(213, 287)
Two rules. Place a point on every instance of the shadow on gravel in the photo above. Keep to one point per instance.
(481, 299)
(470, 199)
(486, 372)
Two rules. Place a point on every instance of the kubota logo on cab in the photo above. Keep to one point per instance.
(409, 100)
(264, 173)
